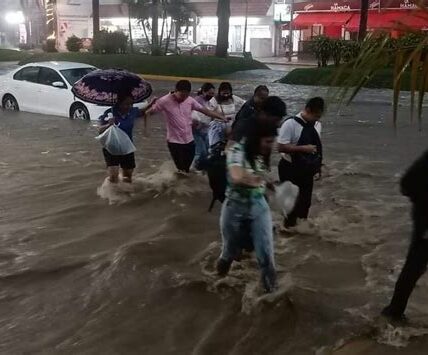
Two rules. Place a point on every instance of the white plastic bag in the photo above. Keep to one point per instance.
(286, 196)
(116, 141)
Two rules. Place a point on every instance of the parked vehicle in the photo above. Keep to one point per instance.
(204, 49)
(46, 88)
(183, 45)
(141, 45)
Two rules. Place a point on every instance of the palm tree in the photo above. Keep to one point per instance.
(178, 10)
(180, 13)
(364, 13)
(155, 25)
(223, 14)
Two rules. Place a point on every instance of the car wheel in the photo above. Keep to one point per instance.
(9, 103)
(79, 112)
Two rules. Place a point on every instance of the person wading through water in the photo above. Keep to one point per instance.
(124, 115)
(201, 124)
(299, 142)
(271, 111)
(246, 220)
(248, 113)
(177, 109)
(414, 185)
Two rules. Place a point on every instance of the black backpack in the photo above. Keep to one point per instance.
(304, 162)
(217, 173)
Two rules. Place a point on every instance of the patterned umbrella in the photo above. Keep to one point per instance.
(101, 87)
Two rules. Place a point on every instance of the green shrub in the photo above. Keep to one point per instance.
(350, 50)
(26, 46)
(50, 46)
(336, 49)
(110, 42)
(74, 44)
(321, 47)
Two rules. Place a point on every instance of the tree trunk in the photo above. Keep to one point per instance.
(143, 24)
(155, 25)
(96, 16)
(177, 31)
(363, 20)
(29, 39)
(223, 14)
(131, 41)
(168, 40)
(163, 27)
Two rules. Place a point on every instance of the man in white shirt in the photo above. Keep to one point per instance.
(299, 143)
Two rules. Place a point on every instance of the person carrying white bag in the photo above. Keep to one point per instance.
(116, 137)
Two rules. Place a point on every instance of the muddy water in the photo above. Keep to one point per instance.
(87, 269)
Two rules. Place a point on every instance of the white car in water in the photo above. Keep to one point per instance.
(45, 88)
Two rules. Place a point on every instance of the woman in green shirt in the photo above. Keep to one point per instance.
(246, 214)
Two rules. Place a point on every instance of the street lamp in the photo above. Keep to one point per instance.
(14, 17)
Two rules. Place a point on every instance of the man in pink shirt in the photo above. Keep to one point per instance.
(177, 109)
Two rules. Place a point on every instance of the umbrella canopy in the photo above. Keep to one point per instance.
(102, 87)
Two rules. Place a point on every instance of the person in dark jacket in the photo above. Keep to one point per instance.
(414, 185)
(248, 112)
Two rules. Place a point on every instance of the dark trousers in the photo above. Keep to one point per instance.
(182, 154)
(305, 182)
(416, 262)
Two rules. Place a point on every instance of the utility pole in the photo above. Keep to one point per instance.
(290, 40)
(96, 17)
(245, 27)
(131, 42)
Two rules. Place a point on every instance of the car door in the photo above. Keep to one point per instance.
(24, 88)
(53, 100)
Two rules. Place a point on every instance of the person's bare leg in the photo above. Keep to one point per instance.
(127, 175)
(113, 174)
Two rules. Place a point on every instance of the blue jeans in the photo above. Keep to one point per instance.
(201, 154)
(245, 222)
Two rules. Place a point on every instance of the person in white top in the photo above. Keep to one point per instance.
(299, 142)
(228, 105)
(201, 124)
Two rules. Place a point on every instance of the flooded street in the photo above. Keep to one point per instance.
(91, 271)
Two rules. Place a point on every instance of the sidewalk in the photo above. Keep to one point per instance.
(284, 61)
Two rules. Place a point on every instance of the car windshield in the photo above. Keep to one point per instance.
(73, 75)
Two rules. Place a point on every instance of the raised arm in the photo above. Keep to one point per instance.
(103, 124)
(293, 148)
(149, 108)
(238, 174)
(210, 113)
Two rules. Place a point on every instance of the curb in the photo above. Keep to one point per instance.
(177, 78)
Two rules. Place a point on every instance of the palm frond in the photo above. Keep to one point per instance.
(423, 86)
(378, 52)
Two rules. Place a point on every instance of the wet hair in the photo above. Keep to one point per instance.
(261, 129)
(274, 106)
(207, 87)
(204, 88)
(316, 104)
(225, 86)
(123, 95)
(183, 86)
(261, 88)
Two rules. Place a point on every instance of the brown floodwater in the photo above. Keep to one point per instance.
(88, 269)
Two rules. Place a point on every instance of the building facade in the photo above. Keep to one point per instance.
(74, 17)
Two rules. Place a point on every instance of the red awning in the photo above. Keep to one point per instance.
(325, 19)
(390, 20)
